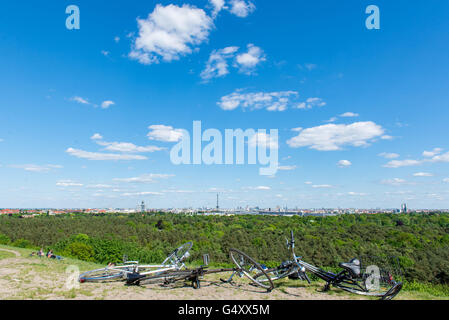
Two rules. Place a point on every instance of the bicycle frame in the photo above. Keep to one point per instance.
(341, 280)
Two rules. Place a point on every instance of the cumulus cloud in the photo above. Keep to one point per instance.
(145, 178)
(217, 5)
(434, 152)
(286, 168)
(68, 183)
(394, 182)
(98, 156)
(423, 174)
(344, 163)
(127, 147)
(322, 186)
(402, 163)
(97, 136)
(331, 137)
(311, 103)
(164, 133)
(80, 100)
(144, 193)
(106, 104)
(170, 32)
(35, 167)
(218, 62)
(387, 155)
(241, 8)
(262, 188)
(271, 101)
(217, 65)
(446, 180)
(349, 115)
(248, 61)
(263, 140)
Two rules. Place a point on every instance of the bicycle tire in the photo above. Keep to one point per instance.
(247, 266)
(98, 275)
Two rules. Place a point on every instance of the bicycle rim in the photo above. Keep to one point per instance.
(104, 274)
(250, 268)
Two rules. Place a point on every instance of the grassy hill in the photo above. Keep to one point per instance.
(23, 276)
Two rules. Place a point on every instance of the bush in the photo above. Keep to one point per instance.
(4, 239)
(80, 250)
(22, 243)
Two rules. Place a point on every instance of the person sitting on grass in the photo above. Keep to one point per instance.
(41, 252)
(51, 255)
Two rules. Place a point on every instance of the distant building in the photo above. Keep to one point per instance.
(142, 207)
(404, 208)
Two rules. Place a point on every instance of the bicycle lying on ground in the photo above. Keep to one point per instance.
(369, 280)
(245, 266)
(175, 261)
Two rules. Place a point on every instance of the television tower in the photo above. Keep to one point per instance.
(218, 207)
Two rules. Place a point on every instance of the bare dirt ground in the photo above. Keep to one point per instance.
(29, 277)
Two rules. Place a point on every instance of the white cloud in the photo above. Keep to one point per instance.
(332, 137)
(128, 147)
(68, 183)
(357, 194)
(99, 186)
(218, 5)
(1, 140)
(311, 103)
(262, 188)
(349, 115)
(117, 39)
(434, 152)
(322, 186)
(97, 136)
(308, 182)
(97, 156)
(170, 32)
(249, 60)
(145, 193)
(388, 155)
(394, 182)
(344, 163)
(242, 8)
(164, 133)
(36, 168)
(145, 178)
(402, 163)
(446, 180)
(107, 104)
(271, 101)
(80, 100)
(286, 168)
(217, 65)
(262, 139)
(441, 158)
(423, 174)
(105, 53)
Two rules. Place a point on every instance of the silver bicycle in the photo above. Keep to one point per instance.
(175, 261)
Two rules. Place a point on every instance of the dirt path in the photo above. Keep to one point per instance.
(26, 277)
(11, 251)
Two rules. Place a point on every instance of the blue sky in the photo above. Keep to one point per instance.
(377, 99)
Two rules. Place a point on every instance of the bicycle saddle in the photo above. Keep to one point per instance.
(352, 266)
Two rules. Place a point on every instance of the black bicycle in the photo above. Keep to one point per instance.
(245, 266)
(355, 277)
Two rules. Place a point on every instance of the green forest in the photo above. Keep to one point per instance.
(419, 241)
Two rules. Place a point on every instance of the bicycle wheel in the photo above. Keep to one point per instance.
(179, 254)
(274, 273)
(250, 268)
(105, 274)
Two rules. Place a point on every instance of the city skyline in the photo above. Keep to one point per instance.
(90, 115)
